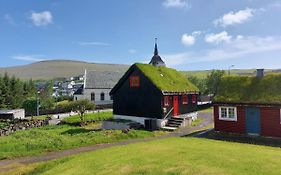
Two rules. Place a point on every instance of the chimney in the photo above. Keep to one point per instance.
(260, 73)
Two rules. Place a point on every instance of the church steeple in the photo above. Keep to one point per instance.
(156, 59)
(155, 47)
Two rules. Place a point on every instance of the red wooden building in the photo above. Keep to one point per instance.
(249, 105)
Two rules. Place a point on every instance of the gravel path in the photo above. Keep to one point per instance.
(6, 165)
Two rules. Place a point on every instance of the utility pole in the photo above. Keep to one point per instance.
(38, 105)
(229, 69)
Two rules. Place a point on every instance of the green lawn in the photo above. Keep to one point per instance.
(51, 138)
(89, 117)
(194, 156)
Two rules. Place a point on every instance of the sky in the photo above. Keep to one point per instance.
(192, 34)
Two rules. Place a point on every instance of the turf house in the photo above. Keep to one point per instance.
(249, 105)
(153, 91)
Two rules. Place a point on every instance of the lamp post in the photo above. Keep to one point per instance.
(38, 105)
(229, 69)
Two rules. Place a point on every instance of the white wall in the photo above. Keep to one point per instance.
(87, 95)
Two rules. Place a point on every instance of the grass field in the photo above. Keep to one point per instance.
(194, 156)
(52, 138)
(89, 117)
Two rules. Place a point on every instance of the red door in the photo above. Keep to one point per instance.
(176, 105)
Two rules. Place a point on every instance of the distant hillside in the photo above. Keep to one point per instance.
(58, 69)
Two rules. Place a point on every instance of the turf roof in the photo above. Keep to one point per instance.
(167, 79)
(237, 89)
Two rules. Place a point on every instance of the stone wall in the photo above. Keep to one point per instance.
(22, 125)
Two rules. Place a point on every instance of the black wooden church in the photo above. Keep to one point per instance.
(154, 91)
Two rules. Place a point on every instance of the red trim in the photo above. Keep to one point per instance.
(134, 81)
(193, 98)
(166, 101)
(184, 99)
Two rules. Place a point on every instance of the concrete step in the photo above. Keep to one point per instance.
(168, 128)
(172, 125)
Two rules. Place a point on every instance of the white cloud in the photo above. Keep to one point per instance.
(31, 58)
(233, 18)
(9, 19)
(93, 43)
(217, 38)
(239, 47)
(175, 3)
(189, 40)
(132, 51)
(42, 18)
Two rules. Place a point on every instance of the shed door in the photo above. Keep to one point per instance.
(176, 105)
(253, 121)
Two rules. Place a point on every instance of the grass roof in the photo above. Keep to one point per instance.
(167, 79)
(237, 89)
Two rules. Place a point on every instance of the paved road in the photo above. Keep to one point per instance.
(207, 120)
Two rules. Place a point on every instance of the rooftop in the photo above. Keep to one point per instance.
(241, 89)
(166, 79)
(101, 79)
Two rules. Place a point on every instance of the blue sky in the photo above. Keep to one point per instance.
(192, 34)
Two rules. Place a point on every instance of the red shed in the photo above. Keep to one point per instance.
(249, 105)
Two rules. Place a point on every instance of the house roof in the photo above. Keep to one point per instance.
(79, 91)
(101, 79)
(250, 90)
(165, 79)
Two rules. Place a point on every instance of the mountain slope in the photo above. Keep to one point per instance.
(58, 69)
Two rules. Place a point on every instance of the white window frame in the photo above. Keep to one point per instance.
(227, 113)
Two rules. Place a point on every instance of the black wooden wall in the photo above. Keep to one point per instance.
(142, 101)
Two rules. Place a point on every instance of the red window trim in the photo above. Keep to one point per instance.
(134, 81)
(184, 99)
(166, 101)
(194, 98)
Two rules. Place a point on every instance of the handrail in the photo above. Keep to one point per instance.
(168, 113)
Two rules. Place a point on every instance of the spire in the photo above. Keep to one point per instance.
(156, 59)
(155, 47)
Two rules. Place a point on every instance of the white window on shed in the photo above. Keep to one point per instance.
(227, 113)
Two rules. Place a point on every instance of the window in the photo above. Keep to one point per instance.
(134, 81)
(166, 101)
(184, 99)
(193, 98)
(76, 98)
(228, 113)
(92, 96)
(102, 96)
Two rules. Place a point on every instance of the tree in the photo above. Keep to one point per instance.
(199, 82)
(213, 80)
(30, 106)
(80, 106)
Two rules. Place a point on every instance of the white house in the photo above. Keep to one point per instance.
(97, 85)
(12, 114)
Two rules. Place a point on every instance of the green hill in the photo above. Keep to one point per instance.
(58, 69)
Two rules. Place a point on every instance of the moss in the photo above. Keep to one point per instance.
(236, 89)
(167, 79)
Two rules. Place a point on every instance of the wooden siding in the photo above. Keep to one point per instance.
(270, 122)
(142, 101)
(238, 126)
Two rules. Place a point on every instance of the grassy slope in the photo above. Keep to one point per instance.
(89, 117)
(171, 156)
(58, 69)
(51, 138)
